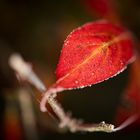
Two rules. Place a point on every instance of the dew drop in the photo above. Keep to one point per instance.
(92, 73)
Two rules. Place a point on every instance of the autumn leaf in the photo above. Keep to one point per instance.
(93, 53)
(102, 8)
(130, 102)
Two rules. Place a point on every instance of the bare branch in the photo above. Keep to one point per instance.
(25, 72)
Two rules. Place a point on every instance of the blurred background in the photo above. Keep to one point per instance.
(37, 29)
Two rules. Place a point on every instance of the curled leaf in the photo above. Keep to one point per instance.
(93, 53)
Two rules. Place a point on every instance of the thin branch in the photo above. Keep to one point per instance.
(25, 72)
(76, 125)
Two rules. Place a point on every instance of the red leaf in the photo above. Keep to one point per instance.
(103, 8)
(131, 97)
(93, 53)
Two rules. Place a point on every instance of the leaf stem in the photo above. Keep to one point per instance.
(25, 72)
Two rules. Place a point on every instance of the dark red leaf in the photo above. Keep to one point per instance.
(103, 8)
(131, 96)
(93, 53)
